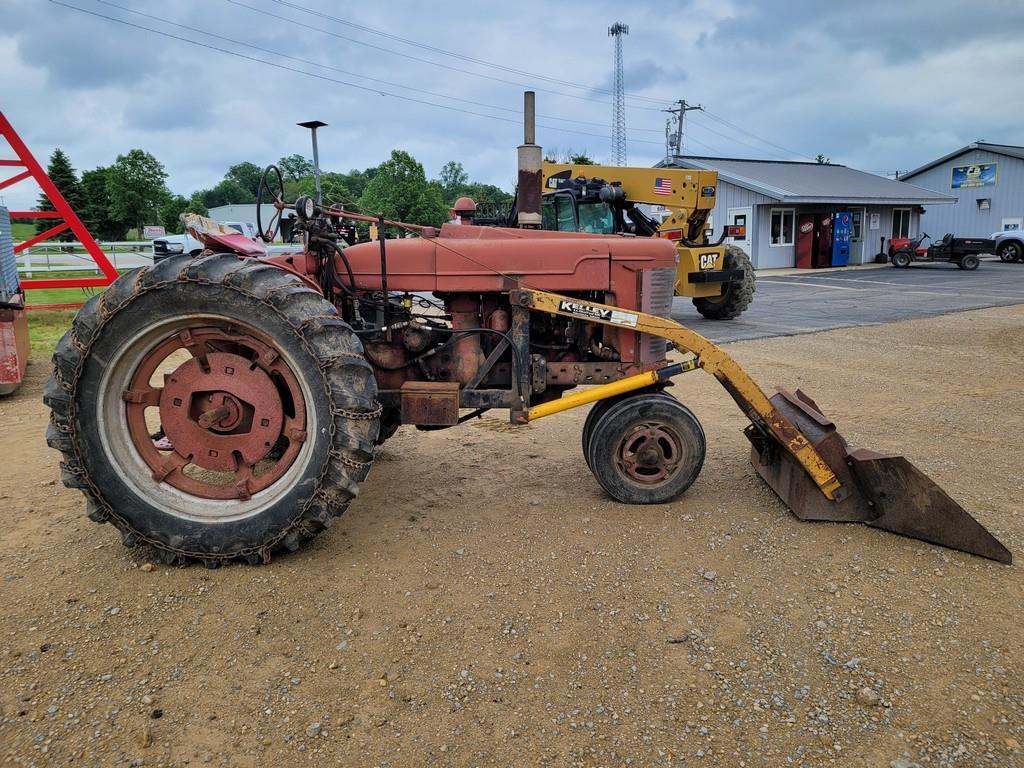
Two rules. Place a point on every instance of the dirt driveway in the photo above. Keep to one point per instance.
(483, 603)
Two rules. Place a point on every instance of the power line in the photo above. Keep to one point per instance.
(735, 127)
(454, 54)
(393, 52)
(482, 62)
(287, 68)
(733, 139)
(281, 54)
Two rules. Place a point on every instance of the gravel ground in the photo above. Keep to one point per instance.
(483, 603)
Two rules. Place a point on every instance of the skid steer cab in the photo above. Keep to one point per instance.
(716, 275)
(228, 405)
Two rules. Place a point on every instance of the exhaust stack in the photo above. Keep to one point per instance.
(528, 189)
(312, 125)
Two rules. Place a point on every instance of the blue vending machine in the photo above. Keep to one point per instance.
(842, 227)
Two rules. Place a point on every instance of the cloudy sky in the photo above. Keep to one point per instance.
(876, 85)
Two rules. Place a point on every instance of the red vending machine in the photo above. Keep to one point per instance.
(824, 241)
(805, 241)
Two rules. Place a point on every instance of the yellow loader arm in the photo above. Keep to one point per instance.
(795, 448)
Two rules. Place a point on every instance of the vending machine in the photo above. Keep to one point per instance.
(805, 241)
(842, 228)
(823, 258)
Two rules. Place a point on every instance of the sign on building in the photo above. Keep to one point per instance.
(971, 176)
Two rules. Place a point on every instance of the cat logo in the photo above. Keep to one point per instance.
(708, 260)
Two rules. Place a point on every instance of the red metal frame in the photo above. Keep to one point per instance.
(61, 211)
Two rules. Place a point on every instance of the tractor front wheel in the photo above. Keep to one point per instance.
(646, 449)
(213, 408)
(735, 297)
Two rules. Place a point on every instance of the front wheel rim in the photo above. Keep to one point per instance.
(650, 454)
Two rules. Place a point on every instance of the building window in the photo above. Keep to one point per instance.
(901, 222)
(782, 226)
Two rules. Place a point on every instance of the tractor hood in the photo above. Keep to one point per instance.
(469, 258)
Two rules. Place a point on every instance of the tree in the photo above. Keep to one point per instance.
(400, 191)
(174, 206)
(246, 175)
(453, 179)
(332, 189)
(65, 179)
(554, 155)
(137, 187)
(226, 192)
(487, 194)
(94, 208)
(822, 160)
(294, 167)
(356, 181)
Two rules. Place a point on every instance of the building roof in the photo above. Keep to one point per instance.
(1010, 150)
(795, 182)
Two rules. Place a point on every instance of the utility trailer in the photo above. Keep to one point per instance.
(962, 251)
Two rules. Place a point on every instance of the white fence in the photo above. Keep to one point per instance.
(52, 256)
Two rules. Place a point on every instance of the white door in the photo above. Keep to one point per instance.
(857, 235)
(742, 217)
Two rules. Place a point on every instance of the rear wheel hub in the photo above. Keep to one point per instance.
(224, 408)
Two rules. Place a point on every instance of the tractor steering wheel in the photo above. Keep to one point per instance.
(269, 191)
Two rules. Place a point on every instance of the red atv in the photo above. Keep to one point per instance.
(962, 251)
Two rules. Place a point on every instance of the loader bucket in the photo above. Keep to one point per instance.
(886, 492)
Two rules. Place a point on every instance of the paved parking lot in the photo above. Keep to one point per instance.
(785, 305)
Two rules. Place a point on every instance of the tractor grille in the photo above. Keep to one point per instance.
(657, 287)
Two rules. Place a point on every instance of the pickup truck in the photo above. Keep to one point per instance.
(172, 245)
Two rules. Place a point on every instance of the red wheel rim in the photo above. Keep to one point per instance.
(225, 409)
(649, 454)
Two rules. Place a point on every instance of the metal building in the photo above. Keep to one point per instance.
(794, 213)
(988, 182)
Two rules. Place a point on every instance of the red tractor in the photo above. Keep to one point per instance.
(227, 406)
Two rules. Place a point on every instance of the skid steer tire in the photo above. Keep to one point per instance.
(309, 346)
(655, 424)
(735, 297)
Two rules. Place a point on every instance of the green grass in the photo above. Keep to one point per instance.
(37, 296)
(45, 327)
(21, 231)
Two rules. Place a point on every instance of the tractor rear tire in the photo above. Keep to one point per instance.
(969, 262)
(735, 297)
(646, 449)
(901, 259)
(265, 392)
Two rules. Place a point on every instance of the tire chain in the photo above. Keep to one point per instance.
(104, 511)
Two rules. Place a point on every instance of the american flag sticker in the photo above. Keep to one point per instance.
(662, 186)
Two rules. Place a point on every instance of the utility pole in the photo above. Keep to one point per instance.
(617, 30)
(674, 135)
